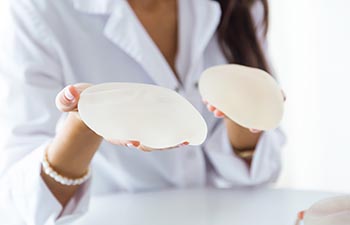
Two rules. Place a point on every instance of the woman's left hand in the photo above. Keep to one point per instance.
(219, 114)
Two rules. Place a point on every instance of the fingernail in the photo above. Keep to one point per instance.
(301, 215)
(185, 143)
(68, 94)
(255, 131)
(210, 108)
(218, 114)
(130, 145)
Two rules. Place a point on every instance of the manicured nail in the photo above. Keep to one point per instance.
(211, 108)
(185, 143)
(301, 215)
(68, 94)
(255, 131)
(130, 145)
(218, 114)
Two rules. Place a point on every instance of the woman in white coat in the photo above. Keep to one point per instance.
(54, 46)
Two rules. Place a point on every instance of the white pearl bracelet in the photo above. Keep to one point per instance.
(48, 170)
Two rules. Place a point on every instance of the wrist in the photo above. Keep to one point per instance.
(240, 137)
(67, 181)
(73, 148)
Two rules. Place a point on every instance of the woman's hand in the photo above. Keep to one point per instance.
(219, 114)
(242, 139)
(67, 101)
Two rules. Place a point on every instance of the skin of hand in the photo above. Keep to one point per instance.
(219, 114)
(240, 139)
(67, 101)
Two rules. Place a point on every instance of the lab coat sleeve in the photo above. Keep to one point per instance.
(30, 69)
(228, 170)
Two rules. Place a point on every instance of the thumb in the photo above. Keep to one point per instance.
(67, 99)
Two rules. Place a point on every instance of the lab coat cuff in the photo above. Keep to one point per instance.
(266, 162)
(78, 205)
(33, 199)
(231, 170)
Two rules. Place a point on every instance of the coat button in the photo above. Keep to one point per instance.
(196, 85)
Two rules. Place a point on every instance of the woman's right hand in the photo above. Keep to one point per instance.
(71, 151)
(67, 101)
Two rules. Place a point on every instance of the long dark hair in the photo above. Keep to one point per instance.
(238, 35)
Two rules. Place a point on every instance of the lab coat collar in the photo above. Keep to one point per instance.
(103, 7)
(206, 20)
(124, 30)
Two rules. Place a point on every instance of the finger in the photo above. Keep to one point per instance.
(218, 113)
(133, 144)
(300, 218)
(145, 148)
(255, 131)
(130, 144)
(301, 215)
(138, 145)
(66, 100)
(211, 108)
(149, 149)
(177, 146)
(184, 143)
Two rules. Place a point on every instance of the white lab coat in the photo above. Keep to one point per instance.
(55, 43)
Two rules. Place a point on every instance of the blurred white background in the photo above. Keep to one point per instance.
(310, 48)
(309, 45)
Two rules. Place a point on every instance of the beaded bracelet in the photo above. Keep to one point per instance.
(48, 170)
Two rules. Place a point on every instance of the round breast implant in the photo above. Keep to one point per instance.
(157, 117)
(332, 211)
(250, 97)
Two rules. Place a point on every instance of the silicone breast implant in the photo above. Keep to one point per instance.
(332, 211)
(249, 96)
(157, 117)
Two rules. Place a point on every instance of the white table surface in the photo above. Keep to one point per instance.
(252, 206)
